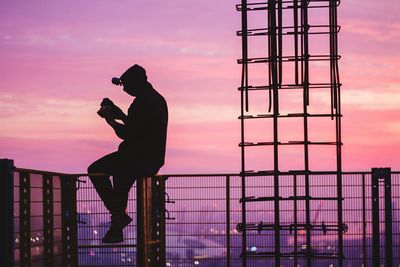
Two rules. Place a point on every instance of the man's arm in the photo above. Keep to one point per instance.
(115, 113)
(118, 114)
(119, 128)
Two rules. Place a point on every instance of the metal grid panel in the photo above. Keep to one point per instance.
(204, 230)
(33, 245)
(93, 223)
(197, 236)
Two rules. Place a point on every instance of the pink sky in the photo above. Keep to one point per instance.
(57, 59)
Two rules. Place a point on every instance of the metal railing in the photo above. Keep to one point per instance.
(38, 217)
(53, 228)
(206, 212)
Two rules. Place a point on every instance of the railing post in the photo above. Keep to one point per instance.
(295, 214)
(48, 221)
(364, 216)
(228, 222)
(7, 212)
(25, 219)
(69, 221)
(385, 174)
(375, 219)
(388, 218)
(150, 221)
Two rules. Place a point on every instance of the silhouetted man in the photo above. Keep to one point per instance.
(142, 151)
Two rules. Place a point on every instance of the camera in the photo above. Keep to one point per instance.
(105, 105)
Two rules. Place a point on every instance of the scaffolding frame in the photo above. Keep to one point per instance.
(300, 30)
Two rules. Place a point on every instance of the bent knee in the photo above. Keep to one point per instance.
(92, 168)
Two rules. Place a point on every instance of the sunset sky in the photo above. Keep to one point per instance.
(58, 58)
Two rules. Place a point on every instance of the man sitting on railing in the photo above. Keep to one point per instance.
(141, 153)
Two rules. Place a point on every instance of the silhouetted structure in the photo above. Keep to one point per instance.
(65, 225)
(290, 59)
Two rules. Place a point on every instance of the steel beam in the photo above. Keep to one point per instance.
(24, 219)
(69, 221)
(151, 221)
(48, 221)
(7, 212)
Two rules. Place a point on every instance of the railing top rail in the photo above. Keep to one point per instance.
(288, 173)
(42, 172)
(72, 175)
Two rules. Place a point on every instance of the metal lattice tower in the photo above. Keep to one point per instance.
(289, 56)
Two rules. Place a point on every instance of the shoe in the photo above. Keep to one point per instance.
(118, 223)
(113, 235)
(121, 221)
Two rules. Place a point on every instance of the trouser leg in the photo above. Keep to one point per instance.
(122, 186)
(104, 189)
(102, 184)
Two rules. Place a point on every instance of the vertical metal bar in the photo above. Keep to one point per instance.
(375, 220)
(332, 54)
(301, 44)
(306, 55)
(25, 219)
(48, 223)
(306, 83)
(272, 18)
(158, 211)
(228, 221)
(337, 103)
(364, 215)
(69, 221)
(340, 216)
(7, 212)
(334, 69)
(295, 262)
(245, 55)
(270, 57)
(244, 86)
(150, 221)
(158, 222)
(280, 43)
(142, 221)
(296, 41)
(388, 218)
(274, 53)
(339, 183)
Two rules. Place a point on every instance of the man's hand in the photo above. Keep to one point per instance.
(113, 113)
(118, 113)
(119, 128)
(111, 121)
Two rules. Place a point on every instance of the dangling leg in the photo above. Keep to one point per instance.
(119, 218)
(115, 197)
(122, 186)
(102, 184)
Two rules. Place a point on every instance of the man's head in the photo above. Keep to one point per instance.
(134, 80)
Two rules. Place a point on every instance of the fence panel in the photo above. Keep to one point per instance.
(203, 231)
(37, 216)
